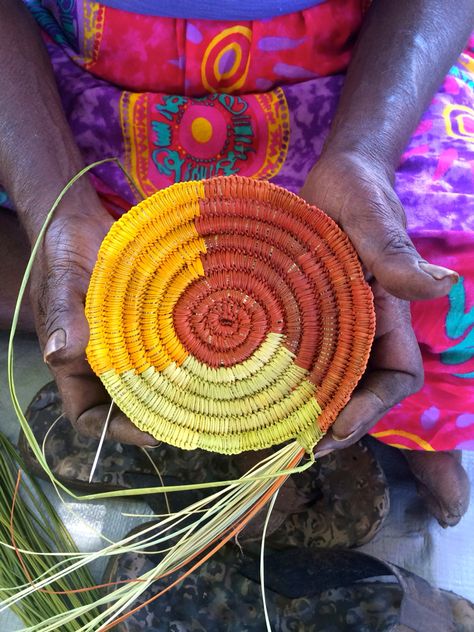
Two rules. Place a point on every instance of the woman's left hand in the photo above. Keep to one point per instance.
(360, 197)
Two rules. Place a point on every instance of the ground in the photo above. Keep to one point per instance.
(410, 537)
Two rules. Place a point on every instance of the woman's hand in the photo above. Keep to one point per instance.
(360, 198)
(403, 51)
(38, 156)
(60, 280)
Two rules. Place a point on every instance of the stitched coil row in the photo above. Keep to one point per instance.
(229, 315)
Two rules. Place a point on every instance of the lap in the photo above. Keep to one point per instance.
(435, 182)
(280, 137)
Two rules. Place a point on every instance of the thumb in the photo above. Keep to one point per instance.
(390, 256)
(85, 400)
(64, 334)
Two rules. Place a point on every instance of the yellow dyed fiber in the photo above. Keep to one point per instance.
(210, 329)
(142, 242)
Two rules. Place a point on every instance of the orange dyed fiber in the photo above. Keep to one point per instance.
(229, 315)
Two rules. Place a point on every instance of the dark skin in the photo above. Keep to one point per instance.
(392, 71)
(404, 50)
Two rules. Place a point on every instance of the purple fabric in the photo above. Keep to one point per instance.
(435, 182)
(213, 9)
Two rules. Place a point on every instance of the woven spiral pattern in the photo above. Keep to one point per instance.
(229, 315)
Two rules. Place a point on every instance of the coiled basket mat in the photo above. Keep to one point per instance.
(229, 315)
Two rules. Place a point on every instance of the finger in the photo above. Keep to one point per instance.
(91, 422)
(85, 401)
(58, 297)
(369, 403)
(385, 248)
(353, 423)
(64, 333)
(395, 372)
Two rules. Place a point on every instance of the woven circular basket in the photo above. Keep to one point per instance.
(229, 315)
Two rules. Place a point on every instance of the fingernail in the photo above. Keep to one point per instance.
(318, 455)
(337, 438)
(56, 342)
(439, 273)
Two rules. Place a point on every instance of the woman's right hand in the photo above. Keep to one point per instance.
(38, 156)
(357, 192)
(60, 279)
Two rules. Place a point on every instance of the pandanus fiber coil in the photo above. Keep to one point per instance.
(229, 315)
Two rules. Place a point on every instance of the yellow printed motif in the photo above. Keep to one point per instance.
(412, 441)
(459, 121)
(236, 40)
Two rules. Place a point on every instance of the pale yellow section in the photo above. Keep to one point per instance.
(271, 401)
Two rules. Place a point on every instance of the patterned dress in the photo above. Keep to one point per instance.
(180, 99)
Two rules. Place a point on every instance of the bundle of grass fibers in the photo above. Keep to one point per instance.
(30, 533)
(227, 315)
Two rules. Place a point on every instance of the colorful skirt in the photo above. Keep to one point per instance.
(178, 100)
